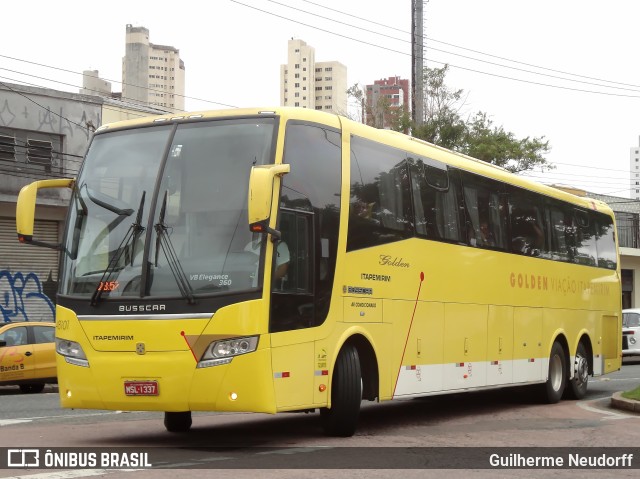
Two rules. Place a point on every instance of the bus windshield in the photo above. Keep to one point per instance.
(162, 211)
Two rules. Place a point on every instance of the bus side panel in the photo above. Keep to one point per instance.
(529, 360)
(500, 345)
(465, 343)
(421, 369)
(611, 343)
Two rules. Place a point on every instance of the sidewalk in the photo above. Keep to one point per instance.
(618, 402)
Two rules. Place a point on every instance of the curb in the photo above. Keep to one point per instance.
(619, 402)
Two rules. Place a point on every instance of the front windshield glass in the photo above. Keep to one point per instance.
(162, 211)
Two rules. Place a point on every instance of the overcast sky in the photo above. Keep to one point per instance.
(573, 77)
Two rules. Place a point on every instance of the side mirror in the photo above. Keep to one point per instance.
(261, 193)
(26, 209)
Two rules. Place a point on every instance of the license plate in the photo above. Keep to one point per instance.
(141, 388)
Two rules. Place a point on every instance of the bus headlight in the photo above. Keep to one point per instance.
(223, 352)
(72, 352)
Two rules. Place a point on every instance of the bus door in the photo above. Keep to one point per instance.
(292, 310)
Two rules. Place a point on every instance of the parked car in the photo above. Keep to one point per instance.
(28, 355)
(631, 332)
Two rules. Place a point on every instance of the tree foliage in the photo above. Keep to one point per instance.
(444, 125)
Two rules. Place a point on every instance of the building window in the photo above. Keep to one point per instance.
(297, 85)
(297, 95)
(318, 70)
(318, 88)
(330, 88)
(297, 50)
(304, 59)
(7, 147)
(296, 104)
(296, 66)
(328, 69)
(327, 78)
(297, 75)
(327, 107)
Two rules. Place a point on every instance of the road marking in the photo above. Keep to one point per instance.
(70, 474)
(10, 422)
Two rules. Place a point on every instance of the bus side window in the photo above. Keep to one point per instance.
(527, 224)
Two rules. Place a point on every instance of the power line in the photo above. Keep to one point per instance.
(468, 49)
(637, 89)
(438, 61)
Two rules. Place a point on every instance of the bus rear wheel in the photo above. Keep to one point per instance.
(177, 421)
(346, 395)
(578, 385)
(551, 391)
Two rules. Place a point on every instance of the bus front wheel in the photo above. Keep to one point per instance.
(578, 385)
(552, 390)
(177, 421)
(346, 395)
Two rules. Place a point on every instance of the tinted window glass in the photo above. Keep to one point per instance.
(486, 212)
(44, 334)
(527, 223)
(309, 220)
(435, 200)
(585, 247)
(605, 241)
(380, 203)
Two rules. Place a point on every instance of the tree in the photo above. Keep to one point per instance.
(492, 144)
(477, 137)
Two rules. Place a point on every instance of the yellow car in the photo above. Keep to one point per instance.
(28, 355)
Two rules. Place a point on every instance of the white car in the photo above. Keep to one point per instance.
(631, 332)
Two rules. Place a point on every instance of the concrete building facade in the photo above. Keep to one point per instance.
(152, 74)
(306, 83)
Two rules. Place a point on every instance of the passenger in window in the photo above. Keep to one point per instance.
(486, 235)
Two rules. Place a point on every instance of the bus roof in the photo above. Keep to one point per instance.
(388, 137)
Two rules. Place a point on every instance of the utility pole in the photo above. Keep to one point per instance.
(417, 62)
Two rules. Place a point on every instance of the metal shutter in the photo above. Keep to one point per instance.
(28, 274)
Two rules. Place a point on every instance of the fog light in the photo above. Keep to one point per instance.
(322, 388)
(233, 396)
(68, 394)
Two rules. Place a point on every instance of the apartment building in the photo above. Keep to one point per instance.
(385, 100)
(309, 84)
(152, 74)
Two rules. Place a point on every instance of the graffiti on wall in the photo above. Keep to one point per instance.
(23, 297)
(50, 120)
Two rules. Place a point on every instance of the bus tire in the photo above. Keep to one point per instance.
(177, 421)
(32, 388)
(346, 395)
(551, 391)
(578, 385)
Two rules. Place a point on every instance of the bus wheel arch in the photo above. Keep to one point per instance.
(355, 377)
(581, 368)
(177, 421)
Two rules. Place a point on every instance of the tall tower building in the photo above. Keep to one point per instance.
(634, 169)
(309, 84)
(152, 74)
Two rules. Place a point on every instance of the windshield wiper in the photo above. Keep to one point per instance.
(163, 242)
(133, 233)
(107, 206)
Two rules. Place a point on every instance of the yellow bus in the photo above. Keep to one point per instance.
(294, 260)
